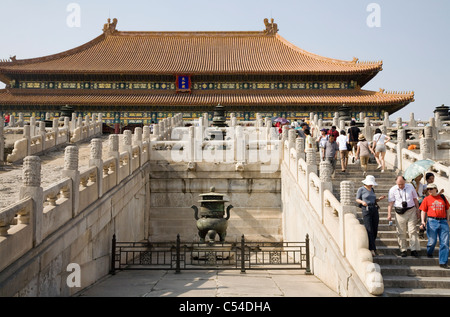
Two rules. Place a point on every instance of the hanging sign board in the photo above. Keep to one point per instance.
(183, 83)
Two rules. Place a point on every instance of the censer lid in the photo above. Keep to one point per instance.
(212, 196)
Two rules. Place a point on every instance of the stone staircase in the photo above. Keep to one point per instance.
(407, 276)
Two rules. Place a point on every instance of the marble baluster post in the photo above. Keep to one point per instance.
(31, 187)
(97, 161)
(27, 136)
(348, 194)
(325, 172)
(113, 151)
(428, 145)
(127, 146)
(300, 148)
(71, 158)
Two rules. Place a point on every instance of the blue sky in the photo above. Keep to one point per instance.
(412, 38)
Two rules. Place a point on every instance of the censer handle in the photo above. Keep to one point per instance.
(228, 211)
(196, 211)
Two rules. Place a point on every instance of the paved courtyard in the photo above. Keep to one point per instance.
(209, 283)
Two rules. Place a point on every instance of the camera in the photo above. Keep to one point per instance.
(404, 204)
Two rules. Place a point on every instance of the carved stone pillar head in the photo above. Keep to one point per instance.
(401, 135)
(32, 171)
(299, 144)
(146, 132)
(156, 129)
(292, 135)
(428, 132)
(326, 170)
(127, 137)
(71, 158)
(26, 131)
(96, 149)
(347, 193)
(239, 132)
(191, 132)
(114, 143)
(311, 155)
(138, 134)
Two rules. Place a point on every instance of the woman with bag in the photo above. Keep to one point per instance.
(368, 202)
(342, 141)
(363, 153)
(322, 140)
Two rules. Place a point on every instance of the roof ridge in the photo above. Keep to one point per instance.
(394, 92)
(188, 33)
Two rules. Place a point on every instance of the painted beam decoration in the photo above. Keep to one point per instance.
(183, 83)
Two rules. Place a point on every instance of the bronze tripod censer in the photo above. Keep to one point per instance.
(210, 218)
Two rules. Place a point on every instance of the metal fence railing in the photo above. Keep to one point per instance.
(243, 255)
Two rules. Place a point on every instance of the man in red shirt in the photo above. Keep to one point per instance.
(436, 207)
(6, 119)
(333, 132)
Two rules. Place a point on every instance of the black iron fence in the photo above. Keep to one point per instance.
(243, 255)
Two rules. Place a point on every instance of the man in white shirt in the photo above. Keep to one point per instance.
(403, 199)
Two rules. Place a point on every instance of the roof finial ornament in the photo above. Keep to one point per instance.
(110, 28)
(271, 28)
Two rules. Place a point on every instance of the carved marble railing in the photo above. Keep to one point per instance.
(337, 217)
(37, 138)
(40, 212)
(241, 145)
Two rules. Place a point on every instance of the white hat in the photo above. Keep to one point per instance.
(370, 180)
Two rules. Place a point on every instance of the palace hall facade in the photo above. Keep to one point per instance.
(137, 77)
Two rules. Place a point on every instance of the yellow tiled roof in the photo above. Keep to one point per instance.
(203, 98)
(195, 53)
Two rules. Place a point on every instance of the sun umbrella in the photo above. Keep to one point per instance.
(417, 168)
(281, 120)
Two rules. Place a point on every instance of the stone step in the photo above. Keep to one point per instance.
(408, 276)
(405, 270)
(384, 249)
(409, 260)
(416, 282)
(393, 242)
(422, 292)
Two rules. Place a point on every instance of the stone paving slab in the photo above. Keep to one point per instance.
(209, 283)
